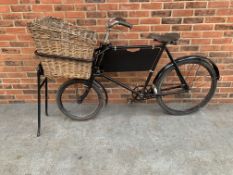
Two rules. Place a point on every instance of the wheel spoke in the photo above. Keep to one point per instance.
(201, 87)
(79, 102)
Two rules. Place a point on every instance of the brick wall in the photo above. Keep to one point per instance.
(205, 27)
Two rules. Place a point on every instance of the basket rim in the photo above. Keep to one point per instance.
(36, 22)
(63, 57)
(90, 41)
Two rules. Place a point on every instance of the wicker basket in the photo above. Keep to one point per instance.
(55, 68)
(53, 36)
(64, 49)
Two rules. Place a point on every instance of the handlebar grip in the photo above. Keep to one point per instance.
(126, 24)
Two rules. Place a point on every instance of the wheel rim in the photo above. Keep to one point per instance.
(200, 82)
(79, 102)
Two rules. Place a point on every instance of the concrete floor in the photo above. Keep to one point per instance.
(122, 140)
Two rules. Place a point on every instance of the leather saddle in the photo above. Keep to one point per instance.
(167, 38)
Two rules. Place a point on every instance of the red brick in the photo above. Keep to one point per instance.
(55, 14)
(140, 28)
(161, 28)
(23, 97)
(176, 5)
(75, 15)
(206, 12)
(193, 20)
(191, 34)
(230, 19)
(19, 44)
(171, 20)
(227, 48)
(74, 1)
(138, 42)
(196, 4)
(4, 9)
(201, 41)
(113, 14)
(210, 48)
(151, 6)
(178, 13)
(189, 48)
(8, 2)
(215, 19)
(6, 23)
(150, 21)
(181, 27)
(222, 41)
(64, 7)
(42, 8)
(139, 14)
(223, 26)
(96, 14)
(107, 6)
(29, 1)
(4, 44)
(7, 37)
(51, 1)
(117, 1)
(20, 8)
(226, 89)
(212, 34)
(12, 16)
(86, 7)
(21, 23)
(15, 30)
(128, 36)
(218, 4)
(225, 12)
(129, 6)
(32, 15)
(11, 81)
(203, 27)
(161, 13)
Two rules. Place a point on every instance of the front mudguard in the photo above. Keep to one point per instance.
(185, 58)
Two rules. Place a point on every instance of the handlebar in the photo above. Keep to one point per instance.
(119, 21)
(126, 24)
(111, 23)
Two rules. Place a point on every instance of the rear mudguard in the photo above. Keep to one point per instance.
(191, 57)
(104, 91)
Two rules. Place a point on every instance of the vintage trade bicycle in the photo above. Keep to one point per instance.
(181, 87)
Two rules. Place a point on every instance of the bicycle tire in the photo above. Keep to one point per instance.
(95, 88)
(171, 110)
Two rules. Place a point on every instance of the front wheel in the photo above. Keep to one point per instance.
(201, 80)
(79, 102)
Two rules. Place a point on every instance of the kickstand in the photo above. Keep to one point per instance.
(40, 84)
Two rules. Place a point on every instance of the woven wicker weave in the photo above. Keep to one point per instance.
(55, 68)
(56, 39)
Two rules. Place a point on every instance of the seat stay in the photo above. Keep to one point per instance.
(181, 78)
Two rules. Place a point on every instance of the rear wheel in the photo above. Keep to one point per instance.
(79, 102)
(201, 79)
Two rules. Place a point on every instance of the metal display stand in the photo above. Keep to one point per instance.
(40, 84)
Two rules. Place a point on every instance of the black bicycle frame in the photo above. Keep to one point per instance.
(100, 55)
